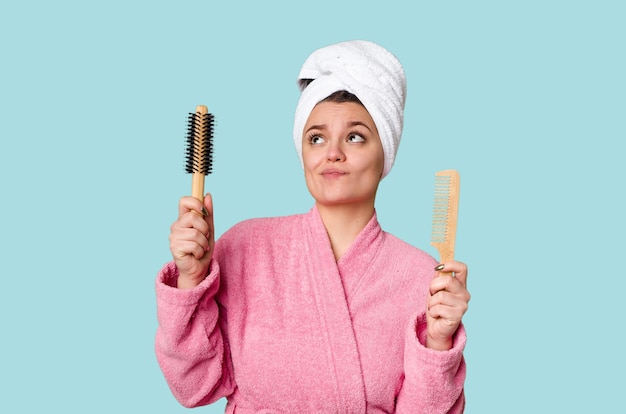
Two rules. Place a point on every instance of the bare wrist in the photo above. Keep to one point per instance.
(438, 345)
(184, 282)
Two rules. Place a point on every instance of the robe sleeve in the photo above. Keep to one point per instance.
(433, 380)
(190, 347)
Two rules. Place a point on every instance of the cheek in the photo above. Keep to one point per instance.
(377, 164)
(307, 164)
(309, 160)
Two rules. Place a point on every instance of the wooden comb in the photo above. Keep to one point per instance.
(445, 214)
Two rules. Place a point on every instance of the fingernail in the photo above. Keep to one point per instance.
(440, 267)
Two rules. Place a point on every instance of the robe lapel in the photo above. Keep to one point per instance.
(335, 319)
(356, 263)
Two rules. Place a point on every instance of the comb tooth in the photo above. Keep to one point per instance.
(441, 207)
(440, 221)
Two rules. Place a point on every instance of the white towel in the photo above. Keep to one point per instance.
(365, 69)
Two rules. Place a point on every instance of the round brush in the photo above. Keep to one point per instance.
(199, 153)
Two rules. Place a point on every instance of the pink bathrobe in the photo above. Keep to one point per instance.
(278, 326)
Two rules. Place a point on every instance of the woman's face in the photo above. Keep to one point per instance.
(342, 154)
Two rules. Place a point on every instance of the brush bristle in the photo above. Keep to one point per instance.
(199, 152)
(441, 209)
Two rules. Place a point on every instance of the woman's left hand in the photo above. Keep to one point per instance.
(447, 303)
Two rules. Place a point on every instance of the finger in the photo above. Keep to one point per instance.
(190, 221)
(455, 269)
(189, 235)
(445, 298)
(451, 316)
(208, 205)
(448, 305)
(187, 204)
(449, 286)
(183, 248)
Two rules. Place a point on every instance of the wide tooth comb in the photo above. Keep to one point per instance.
(199, 153)
(445, 213)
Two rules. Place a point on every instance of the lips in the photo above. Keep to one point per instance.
(333, 172)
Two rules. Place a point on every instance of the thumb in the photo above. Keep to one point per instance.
(208, 205)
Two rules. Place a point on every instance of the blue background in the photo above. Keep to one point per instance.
(525, 99)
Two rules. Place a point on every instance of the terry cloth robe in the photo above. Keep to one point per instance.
(278, 326)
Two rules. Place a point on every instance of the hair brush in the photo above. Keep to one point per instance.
(445, 213)
(199, 153)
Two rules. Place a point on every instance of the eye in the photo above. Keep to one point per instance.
(356, 138)
(315, 139)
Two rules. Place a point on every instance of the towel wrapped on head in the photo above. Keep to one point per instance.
(366, 70)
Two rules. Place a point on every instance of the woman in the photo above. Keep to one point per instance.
(322, 312)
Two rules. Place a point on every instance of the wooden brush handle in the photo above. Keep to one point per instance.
(197, 179)
(446, 255)
(197, 186)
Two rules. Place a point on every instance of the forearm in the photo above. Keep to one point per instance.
(189, 344)
(434, 380)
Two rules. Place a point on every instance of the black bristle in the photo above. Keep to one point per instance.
(199, 152)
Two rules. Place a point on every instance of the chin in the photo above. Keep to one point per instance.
(343, 201)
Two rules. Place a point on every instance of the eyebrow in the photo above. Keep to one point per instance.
(356, 123)
(350, 124)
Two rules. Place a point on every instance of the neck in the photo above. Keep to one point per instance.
(343, 223)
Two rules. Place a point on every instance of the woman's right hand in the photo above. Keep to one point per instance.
(192, 240)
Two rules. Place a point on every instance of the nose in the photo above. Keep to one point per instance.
(335, 151)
